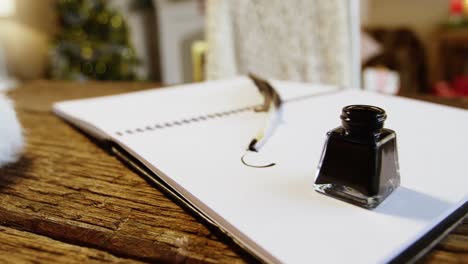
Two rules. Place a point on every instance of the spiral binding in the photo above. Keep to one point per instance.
(182, 122)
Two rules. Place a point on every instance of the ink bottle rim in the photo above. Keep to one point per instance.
(362, 120)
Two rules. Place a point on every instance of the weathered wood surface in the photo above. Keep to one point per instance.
(24, 247)
(79, 203)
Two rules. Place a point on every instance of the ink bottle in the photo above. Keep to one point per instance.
(359, 162)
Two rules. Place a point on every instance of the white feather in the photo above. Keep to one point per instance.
(11, 137)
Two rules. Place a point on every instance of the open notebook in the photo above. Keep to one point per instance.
(190, 140)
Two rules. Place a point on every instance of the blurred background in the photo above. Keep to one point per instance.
(418, 46)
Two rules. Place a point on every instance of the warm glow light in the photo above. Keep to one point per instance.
(7, 7)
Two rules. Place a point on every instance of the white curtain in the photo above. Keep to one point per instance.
(302, 40)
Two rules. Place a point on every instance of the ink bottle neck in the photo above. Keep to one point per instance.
(362, 121)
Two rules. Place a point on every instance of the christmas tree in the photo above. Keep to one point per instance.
(93, 43)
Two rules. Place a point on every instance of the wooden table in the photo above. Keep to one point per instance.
(67, 200)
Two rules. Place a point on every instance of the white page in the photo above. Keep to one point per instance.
(139, 110)
(277, 207)
(276, 210)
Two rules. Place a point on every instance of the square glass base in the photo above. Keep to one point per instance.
(350, 195)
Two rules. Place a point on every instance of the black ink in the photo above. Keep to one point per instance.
(255, 166)
(359, 162)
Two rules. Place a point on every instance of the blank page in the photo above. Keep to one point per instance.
(277, 208)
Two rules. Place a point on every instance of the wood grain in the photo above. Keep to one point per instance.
(24, 247)
(68, 189)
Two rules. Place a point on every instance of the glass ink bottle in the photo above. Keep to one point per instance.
(359, 162)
